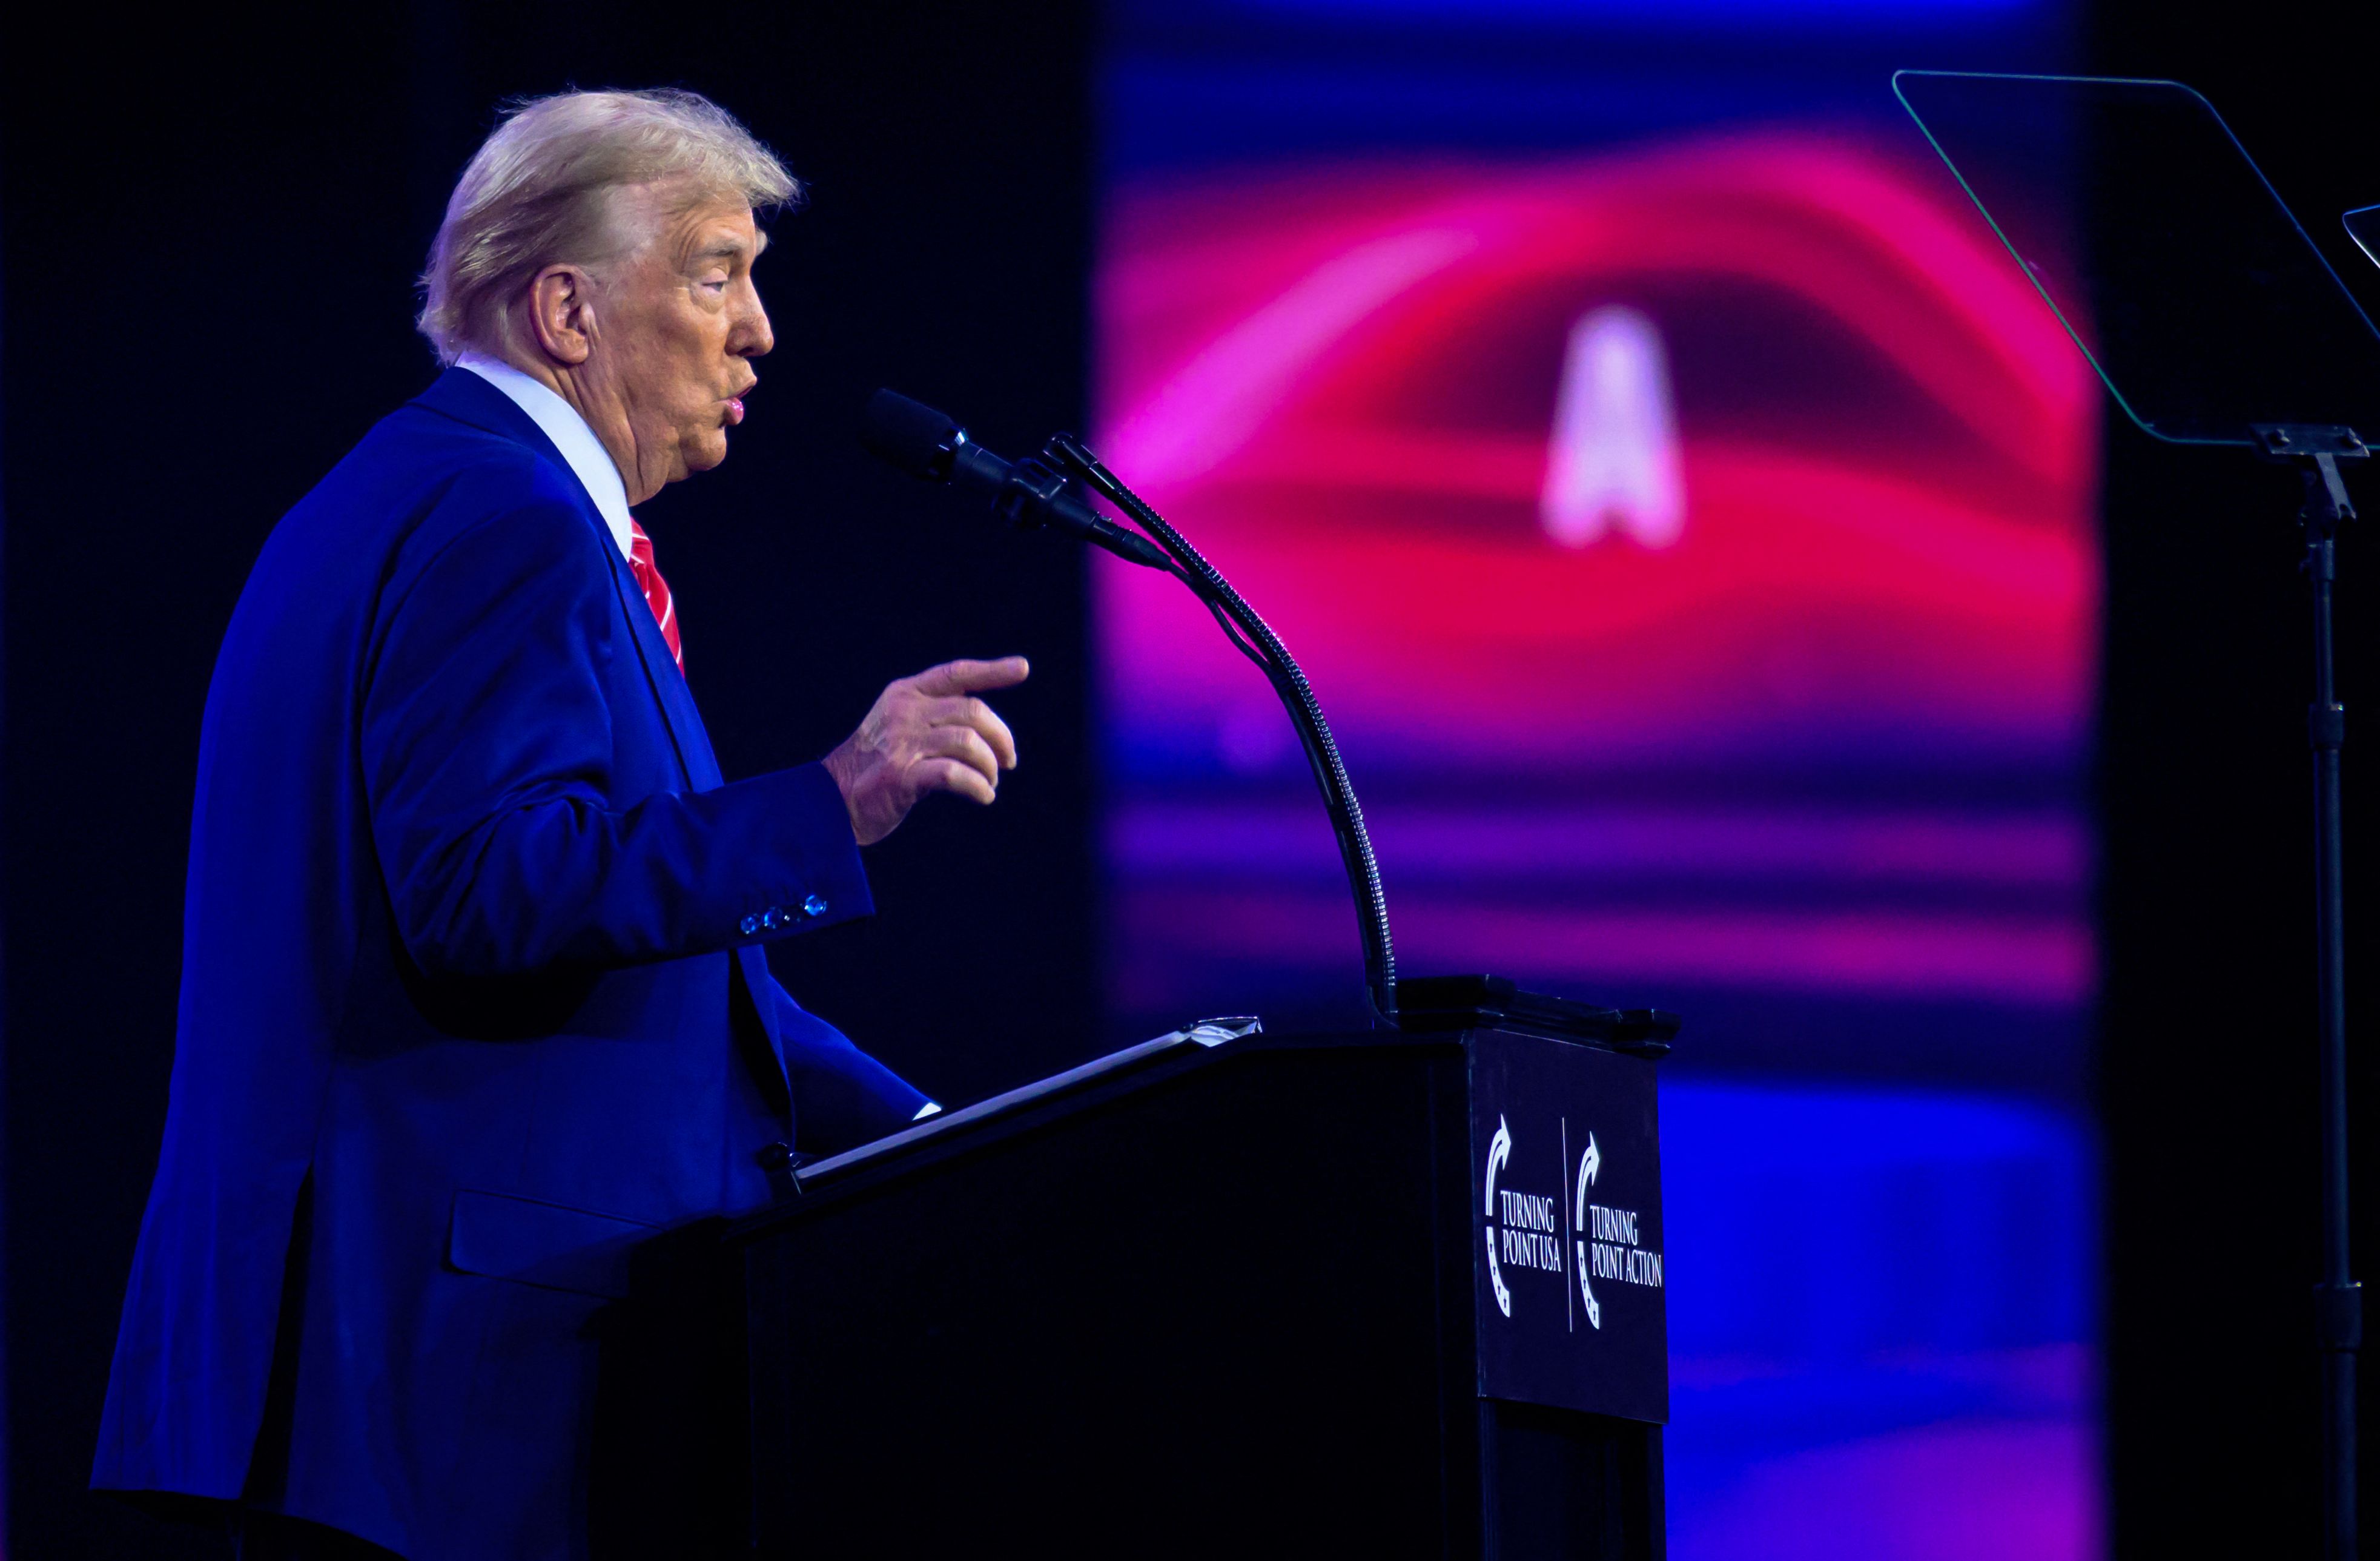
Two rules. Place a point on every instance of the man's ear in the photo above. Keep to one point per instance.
(561, 319)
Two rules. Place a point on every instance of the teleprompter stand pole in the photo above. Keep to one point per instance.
(2338, 1299)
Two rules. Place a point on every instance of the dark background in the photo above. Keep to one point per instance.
(2206, 1054)
(208, 232)
(211, 235)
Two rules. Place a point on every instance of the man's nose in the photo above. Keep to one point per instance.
(753, 338)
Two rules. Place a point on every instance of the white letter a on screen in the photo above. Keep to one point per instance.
(1614, 461)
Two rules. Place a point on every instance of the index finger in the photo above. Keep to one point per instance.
(967, 677)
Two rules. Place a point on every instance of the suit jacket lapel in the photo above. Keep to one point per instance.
(668, 683)
(463, 395)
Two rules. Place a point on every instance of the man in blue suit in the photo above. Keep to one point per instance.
(473, 993)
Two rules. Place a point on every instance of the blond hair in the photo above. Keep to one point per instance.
(540, 193)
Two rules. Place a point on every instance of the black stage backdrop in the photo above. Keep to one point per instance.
(212, 222)
(2207, 896)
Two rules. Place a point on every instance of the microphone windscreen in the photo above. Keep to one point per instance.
(908, 434)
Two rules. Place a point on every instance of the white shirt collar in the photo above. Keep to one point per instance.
(588, 460)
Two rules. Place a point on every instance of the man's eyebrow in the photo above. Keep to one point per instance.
(730, 247)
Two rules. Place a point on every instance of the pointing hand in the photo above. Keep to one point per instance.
(926, 733)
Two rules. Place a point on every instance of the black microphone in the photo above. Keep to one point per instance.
(927, 443)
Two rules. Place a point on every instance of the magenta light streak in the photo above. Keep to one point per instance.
(1884, 255)
(1800, 593)
(1341, 382)
(1218, 399)
(2045, 959)
(2044, 851)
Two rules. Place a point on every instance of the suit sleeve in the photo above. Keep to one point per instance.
(843, 1097)
(486, 752)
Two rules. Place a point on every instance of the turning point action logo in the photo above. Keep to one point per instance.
(1527, 1231)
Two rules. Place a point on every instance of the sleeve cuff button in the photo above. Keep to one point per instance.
(814, 907)
(750, 924)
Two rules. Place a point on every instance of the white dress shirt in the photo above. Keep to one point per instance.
(588, 460)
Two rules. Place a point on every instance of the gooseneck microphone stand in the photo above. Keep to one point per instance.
(1254, 639)
(1040, 493)
(1034, 493)
(2338, 1299)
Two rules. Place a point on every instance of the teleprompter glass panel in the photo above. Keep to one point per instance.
(2364, 226)
(2198, 298)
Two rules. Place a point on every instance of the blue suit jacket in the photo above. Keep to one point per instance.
(471, 948)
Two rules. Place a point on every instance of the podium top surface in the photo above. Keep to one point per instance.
(1197, 1048)
(1433, 1004)
(1128, 1071)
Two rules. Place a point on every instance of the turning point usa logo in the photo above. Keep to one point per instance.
(1551, 1233)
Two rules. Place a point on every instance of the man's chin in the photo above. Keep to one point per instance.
(705, 450)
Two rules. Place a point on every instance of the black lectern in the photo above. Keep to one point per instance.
(1391, 1294)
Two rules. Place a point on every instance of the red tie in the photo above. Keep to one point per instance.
(656, 589)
